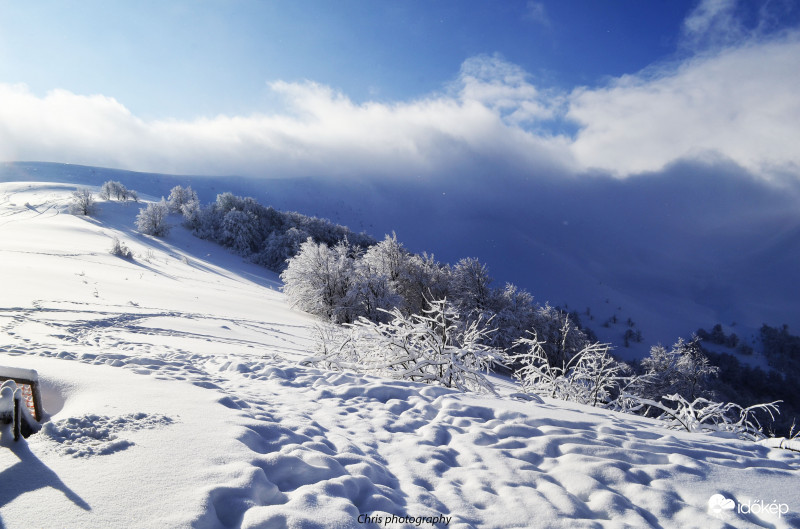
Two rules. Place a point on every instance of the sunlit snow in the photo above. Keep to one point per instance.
(176, 400)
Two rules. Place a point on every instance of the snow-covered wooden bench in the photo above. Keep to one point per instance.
(20, 400)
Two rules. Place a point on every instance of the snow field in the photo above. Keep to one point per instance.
(321, 448)
(117, 442)
(176, 401)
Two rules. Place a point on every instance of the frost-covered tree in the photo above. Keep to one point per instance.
(82, 202)
(226, 202)
(190, 211)
(279, 247)
(263, 234)
(375, 292)
(240, 231)
(422, 279)
(561, 338)
(682, 370)
(180, 197)
(319, 280)
(391, 273)
(112, 189)
(105, 190)
(387, 258)
(514, 315)
(471, 285)
(434, 347)
(152, 220)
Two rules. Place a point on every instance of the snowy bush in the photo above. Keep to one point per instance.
(106, 190)
(180, 197)
(590, 376)
(433, 347)
(279, 247)
(423, 278)
(119, 249)
(260, 233)
(561, 338)
(190, 211)
(152, 220)
(240, 231)
(82, 202)
(704, 415)
(683, 369)
(319, 280)
(112, 189)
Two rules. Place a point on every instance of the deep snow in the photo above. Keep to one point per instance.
(176, 401)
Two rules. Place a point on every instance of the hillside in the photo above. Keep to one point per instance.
(687, 249)
(172, 378)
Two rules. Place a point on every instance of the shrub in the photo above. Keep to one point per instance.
(433, 347)
(319, 281)
(82, 202)
(112, 189)
(180, 197)
(684, 369)
(119, 249)
(152, 220)
(704, 415)
(590, 376)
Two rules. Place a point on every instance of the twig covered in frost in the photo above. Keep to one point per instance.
(591, 376)
(434, 347)
(706, 416)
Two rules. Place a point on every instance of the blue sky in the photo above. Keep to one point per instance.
(397, 88)
(186, 59)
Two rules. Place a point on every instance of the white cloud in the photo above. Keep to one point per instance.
(713, 22)
(321, 132)
(506, 89)
(740, 104)
(737, 103)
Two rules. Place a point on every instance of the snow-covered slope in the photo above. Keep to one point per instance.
(689, 247)
(176, 401)
(673, 252)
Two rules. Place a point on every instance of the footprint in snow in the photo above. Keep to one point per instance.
(94, 435)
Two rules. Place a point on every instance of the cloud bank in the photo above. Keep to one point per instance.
(735, 103)
(740, 104)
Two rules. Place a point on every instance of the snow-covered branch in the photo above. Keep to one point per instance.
(704, 415)
(434, 348)
(590, 376)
